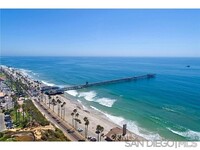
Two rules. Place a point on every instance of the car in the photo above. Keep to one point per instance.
(6, 113)
(93, 139)
(9, 125)
(68, 130)
(7, 119)
(71, 131)
(80, 130)
(7, 122)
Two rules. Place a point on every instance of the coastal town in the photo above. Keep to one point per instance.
(33, 111)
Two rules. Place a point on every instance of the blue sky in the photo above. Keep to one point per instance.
(112, 32)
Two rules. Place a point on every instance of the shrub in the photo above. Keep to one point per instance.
(1, 134)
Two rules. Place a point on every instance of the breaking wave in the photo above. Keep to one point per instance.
(89, 96)
(131, 125)
(72, 92)
(85, 108)
(189, 134)
(47, 83)
(106, 101)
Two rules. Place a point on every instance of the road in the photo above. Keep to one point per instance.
(2, 122)
(54, 119)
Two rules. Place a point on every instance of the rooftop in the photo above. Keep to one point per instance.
(2, 94)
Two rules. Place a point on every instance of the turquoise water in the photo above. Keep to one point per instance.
(166, 107)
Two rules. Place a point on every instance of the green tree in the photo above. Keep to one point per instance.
(99, 129)
(86, 125)
(72, 114)
(23, 110)
(63, 109)
(76, 119)
(53, 103)
(59, 102)
(49, 97)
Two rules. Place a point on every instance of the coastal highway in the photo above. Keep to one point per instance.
(54, 119)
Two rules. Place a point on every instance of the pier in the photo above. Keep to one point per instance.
(56, 90)
(147, 76)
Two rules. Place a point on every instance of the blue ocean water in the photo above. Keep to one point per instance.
(166, 107)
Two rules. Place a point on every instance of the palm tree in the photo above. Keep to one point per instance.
(77, 114)
(53, 103)
(75, 111)
(23, 110)
(86, 125)
(16, 111)
(76, 120)
(72, 114)
(99, 130)
(63, 108)
(114, 137)
(45, 99)
(58, 102)
(49, 100)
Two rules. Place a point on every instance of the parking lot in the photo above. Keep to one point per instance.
(8, 120)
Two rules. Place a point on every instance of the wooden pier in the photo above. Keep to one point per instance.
(147, 76)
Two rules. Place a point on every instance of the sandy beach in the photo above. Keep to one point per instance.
(95, 118)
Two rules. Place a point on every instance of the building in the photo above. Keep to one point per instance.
(2, 95)
(116, 134)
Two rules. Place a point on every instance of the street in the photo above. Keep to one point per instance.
(52, 117)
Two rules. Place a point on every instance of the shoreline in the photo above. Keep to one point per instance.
(95, 117)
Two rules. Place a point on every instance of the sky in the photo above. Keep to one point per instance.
(100, 32)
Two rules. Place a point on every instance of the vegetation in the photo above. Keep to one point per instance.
(46, 135)
(2, 75)
(99, 131)
(72, 114)
(59, 102)
(63, 110)
(34, 113)
(53, 103)
(50, 135)
(86, 125)
(29, 113)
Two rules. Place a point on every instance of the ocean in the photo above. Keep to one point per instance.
(166, 107)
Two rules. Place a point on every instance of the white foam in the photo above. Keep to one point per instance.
(106, 101)
(47, 83)
(25, 72)
(89, 96)
(190, 134)
(131, 125)
(168, 109)
(79, 101)
(72, 92)
(85, 108)
(97, 109)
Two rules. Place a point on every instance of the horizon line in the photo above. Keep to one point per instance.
(99, 56)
